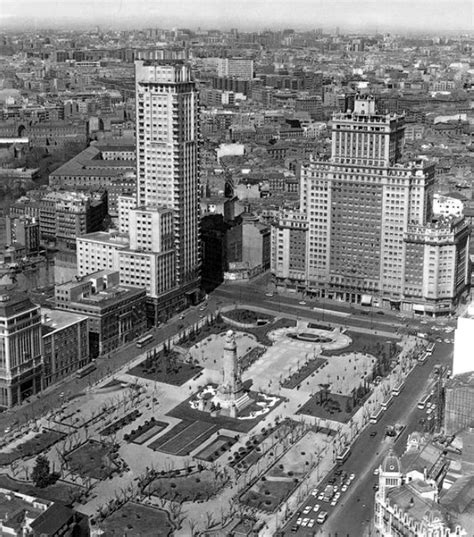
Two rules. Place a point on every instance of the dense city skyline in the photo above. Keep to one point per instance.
(367, 15)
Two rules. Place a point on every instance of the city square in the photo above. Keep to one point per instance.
(141, 444)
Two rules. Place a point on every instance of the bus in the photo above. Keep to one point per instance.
(422, 358)
(85, 370)
(397, 389)
(144, 340)
(387, 402)
(430, 348)
(374, 418)
(424, 401)
(342, 457)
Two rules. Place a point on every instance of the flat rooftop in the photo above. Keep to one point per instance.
(54, 320)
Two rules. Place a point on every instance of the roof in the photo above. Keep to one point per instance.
(89, 163)
(55, 320)
(462, 380)
(460, 497)
(52, 520)
(407, 499)
(14, 303)
(391, 463)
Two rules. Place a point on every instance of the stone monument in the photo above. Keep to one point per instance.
(231, 396)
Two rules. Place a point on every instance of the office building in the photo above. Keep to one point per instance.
(371, 236)
(459, 402)
(162, 249)
(116, 313)
(235, 67)
(23, 231)
(65, 344)
(20, 349)
(168, 141)
(63, 215)
(463, 360)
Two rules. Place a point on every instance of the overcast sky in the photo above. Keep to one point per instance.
(385, 15)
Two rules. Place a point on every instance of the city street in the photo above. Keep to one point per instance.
(351, 516)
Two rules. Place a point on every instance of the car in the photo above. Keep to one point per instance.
(269, 294)
(380, 313)
(305, 522)
(302, 303)
(307, 509)
(376, 471)
(7, 430)
(316, 507)
(315, 492)
(181, 316)
(299, 521)
(311, 523)
(344, 488)
(373, 433)
(322, 517)
(332, 480)
(321, 496)
(61, 394)
(294, 528)
(337, 495)
(375, 487)
(338, 472)
(348, 483)
(202, 308)
(333, 502)
(352, 477)
(335, 488)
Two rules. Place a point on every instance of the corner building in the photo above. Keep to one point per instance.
(368, 233)
(168, 143)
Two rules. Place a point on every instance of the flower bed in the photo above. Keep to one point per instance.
(146, 431)
(119, 424)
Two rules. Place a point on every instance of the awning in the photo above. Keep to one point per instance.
(366, 300)
(418, 307)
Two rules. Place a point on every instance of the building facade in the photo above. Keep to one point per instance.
(65, 344)
(116, 313)
(370, 229)
(168, 143)
(20, 349)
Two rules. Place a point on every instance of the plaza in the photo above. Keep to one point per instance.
(144, 442)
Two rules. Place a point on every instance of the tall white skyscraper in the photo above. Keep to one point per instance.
(158, 246)
(168, 140)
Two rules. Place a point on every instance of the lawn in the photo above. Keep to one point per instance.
(39, 443)
(268, 495)
(92, 459)
(166, 368)
(334, 407)
(218, 326)
(216, 448)
(305, 371)
(193, 487)
(184, 438)
(184, 411)
(246, 316)
(146, 431)
(133, 519)
(365, 344)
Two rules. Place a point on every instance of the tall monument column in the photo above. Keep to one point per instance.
(231, 382)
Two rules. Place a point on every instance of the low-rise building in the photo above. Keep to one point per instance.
(65, 344)
(116, 312)
(22, 515)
